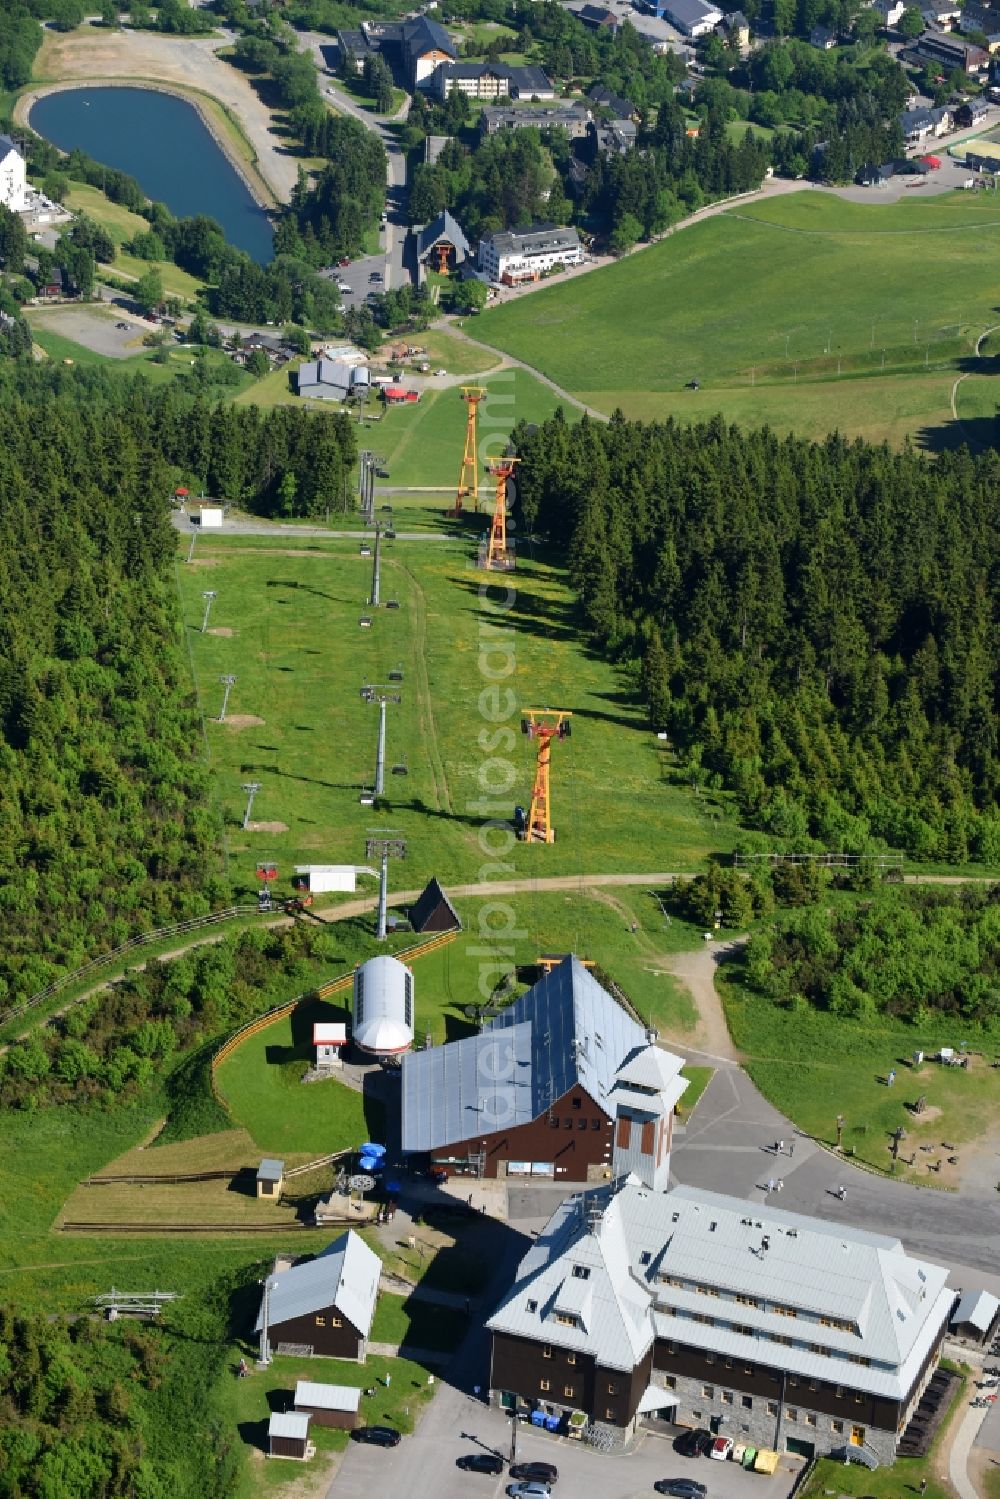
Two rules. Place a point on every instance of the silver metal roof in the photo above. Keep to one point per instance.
(565, 1030)
(270, 1170)
(345, 1275)
(289, 1424)
(977, 1307)
(327, 1397)
(380, 1006)
(733, 1249)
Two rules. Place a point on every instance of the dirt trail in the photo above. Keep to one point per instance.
(425, 702)
(697, 970)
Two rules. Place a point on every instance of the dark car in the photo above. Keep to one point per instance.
(696, 1443)
(681, 1488)
(481, 1462)
(381, 1436)
(535, 1472)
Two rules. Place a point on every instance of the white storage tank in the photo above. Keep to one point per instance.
(382, 1008)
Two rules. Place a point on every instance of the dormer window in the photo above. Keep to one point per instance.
(645, 1257)
(532, 1306)
(582, 1272)
(565, 1319)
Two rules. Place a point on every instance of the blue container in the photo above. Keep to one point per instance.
(553, 1423)
(369, 1149)
(369, 1164)
(538, 1418)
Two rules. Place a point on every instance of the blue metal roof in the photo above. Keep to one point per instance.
(565, 1030)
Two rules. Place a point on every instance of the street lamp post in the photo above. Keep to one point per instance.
(840, 1130)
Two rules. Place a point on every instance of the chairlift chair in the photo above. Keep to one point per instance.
(366, 550)
(392, 603)
(367, 798)
(396, 675)
(401, 769)
(365, 621)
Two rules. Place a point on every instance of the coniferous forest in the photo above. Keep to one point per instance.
(815, 623)
(104, 818)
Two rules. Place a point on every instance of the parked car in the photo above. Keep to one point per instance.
(379, 1436)
(722, 1448)
(345, 261)
(528, 1490)
(343, 286)
(440, 372)
(694, 1443)
(535, 1472)
(481, 1462)
(375, 276)
(123, 325)
(681, 1488)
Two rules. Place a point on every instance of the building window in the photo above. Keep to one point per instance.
(710, 1358)
(336, 1321)
(772, 1407)
(544, 1386)
(810, 1419)
(546, 1351)
(582, 1272)
(568, 1391)
(791, 1414)
(578, 1103)
(702, 1317)
(553, 1121)
(784, 1311)
(670, 1382)
(747, 1402)
(609, 1414)
(565, 1319)
(581, 1124)
(532, 1306)
(793, 1382)
(612, 1389)
(567, 1124)
(726, 1397)
(624, 1132)
(859, 1358)
(838, 1427)
(320, 1321)
(645, 1257)
(571, 1358)
(595, 1123)
(708, 1392)
(747, 1301)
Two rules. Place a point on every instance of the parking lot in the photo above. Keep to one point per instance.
(93, 327)
(423, 1466)
(357, 277)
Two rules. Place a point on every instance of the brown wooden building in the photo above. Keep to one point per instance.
(536, 1092)
(322, 1306)
(329, 1404)
(776, 1330)
(288, 1436)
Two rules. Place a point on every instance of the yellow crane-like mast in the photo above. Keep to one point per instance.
(468, 479)
(499, 556)
(543, 725)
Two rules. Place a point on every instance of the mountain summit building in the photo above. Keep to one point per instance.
(776, 1330)
(564, 1083)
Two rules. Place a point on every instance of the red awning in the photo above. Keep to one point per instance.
(395, 393)
(180, 492)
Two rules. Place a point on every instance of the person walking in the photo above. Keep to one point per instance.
(891, 1078)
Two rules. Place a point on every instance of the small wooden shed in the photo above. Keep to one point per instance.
(329, 1404)
(270, 1176)
(288, 1436)
(329, 1039)
(433, 911)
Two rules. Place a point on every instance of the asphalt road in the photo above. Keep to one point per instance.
(394, 265)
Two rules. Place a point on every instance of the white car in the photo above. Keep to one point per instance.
(440, 372)
(529, 1490)
(722, 1448)
(343, 286)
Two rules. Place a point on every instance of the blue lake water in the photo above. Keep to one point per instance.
(161, 142)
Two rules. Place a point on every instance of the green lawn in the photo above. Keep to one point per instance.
(823, 285)
(423, 443)
(262, 1088)
(247, 1405)
(122, 224)
(814, 1066)
(297, 722)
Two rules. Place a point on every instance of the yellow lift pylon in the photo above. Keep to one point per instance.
(468, 479)
(499, 557)
(543, 725)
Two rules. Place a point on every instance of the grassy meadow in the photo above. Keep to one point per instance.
(285, 622)
(813, 1066)
(784, 311)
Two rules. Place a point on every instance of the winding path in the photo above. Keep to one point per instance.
(954, 389)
